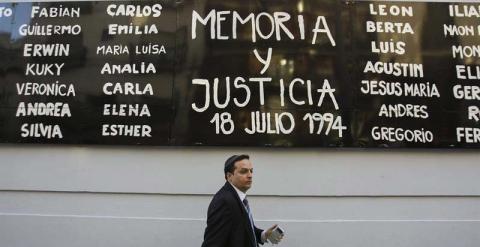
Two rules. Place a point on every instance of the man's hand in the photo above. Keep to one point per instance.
(272, 239)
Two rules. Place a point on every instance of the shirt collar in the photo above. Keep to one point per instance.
(240, 193)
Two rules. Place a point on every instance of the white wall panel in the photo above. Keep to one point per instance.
(27, 230)
(277, 171)
(270, 208)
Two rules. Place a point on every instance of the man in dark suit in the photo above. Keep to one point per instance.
(229, 221)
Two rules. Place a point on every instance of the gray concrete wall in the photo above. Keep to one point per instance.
(142, 196)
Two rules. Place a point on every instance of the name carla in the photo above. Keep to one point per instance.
(127, 88)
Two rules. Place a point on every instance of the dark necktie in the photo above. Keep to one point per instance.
(245, 202)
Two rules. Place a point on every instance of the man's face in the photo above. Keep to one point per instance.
(242, 175)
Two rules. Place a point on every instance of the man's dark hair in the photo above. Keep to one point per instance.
(230, 163)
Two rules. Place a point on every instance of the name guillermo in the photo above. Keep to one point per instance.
(48, 30)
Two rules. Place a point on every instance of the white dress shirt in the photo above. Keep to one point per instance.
(242, 196)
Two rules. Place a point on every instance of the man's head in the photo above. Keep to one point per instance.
(239, 171)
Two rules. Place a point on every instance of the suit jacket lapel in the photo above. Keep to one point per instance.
(246, 219)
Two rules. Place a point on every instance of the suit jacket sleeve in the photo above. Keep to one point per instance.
(258, 234)
(219, 224)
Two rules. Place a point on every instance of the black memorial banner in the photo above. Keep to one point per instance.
(300, 73)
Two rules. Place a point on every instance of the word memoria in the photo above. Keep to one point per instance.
(264, 25)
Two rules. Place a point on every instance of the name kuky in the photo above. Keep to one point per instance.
(38, 69)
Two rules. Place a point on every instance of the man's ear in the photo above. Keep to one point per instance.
(229, 175)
